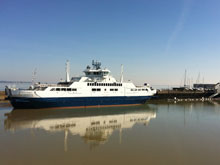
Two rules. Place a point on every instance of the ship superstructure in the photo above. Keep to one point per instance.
(96, 88)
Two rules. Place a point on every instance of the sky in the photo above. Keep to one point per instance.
(155, 40)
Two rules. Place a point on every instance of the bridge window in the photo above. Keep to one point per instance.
(63, 89)
(104, 73)
(57, 89)
(73, 89)
(53, 89)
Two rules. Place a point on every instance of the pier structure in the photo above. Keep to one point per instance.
(202, 93)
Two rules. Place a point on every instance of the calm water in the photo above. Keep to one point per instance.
(186, 133)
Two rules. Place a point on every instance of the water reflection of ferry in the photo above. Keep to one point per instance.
(93, 125)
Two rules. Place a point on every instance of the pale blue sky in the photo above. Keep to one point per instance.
(156, 40)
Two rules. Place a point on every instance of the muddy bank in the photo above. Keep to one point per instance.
(2, 95)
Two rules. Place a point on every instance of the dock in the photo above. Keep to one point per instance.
(185, 95)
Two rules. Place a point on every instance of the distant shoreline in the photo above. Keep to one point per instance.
(15, 82)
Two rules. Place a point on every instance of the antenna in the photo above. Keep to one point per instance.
(67, 71)
(96, 65)
(34, 76)
(122, 70)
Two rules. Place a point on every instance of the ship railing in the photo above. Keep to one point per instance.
(137, 86)
(49, 85)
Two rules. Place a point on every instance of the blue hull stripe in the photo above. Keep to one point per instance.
(30, 103)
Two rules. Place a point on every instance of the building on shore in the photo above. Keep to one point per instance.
(207, 86)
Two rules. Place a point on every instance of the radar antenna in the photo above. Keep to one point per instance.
(96, 65)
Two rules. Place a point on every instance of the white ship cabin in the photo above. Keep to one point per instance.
(97, 81)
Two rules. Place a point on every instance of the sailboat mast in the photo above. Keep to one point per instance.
(185, 79)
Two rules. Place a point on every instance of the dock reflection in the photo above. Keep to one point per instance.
(94, 125)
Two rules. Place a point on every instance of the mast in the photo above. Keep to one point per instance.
(34, 76)
(122, 70)
(185, 79)
(67, 71)
(198, 79)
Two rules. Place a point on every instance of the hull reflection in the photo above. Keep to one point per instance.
(93, 125)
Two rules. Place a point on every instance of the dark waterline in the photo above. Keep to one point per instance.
(185, 133)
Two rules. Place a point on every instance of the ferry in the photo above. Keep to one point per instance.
(96, 88)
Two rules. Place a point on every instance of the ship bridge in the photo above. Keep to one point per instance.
(96, 70)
